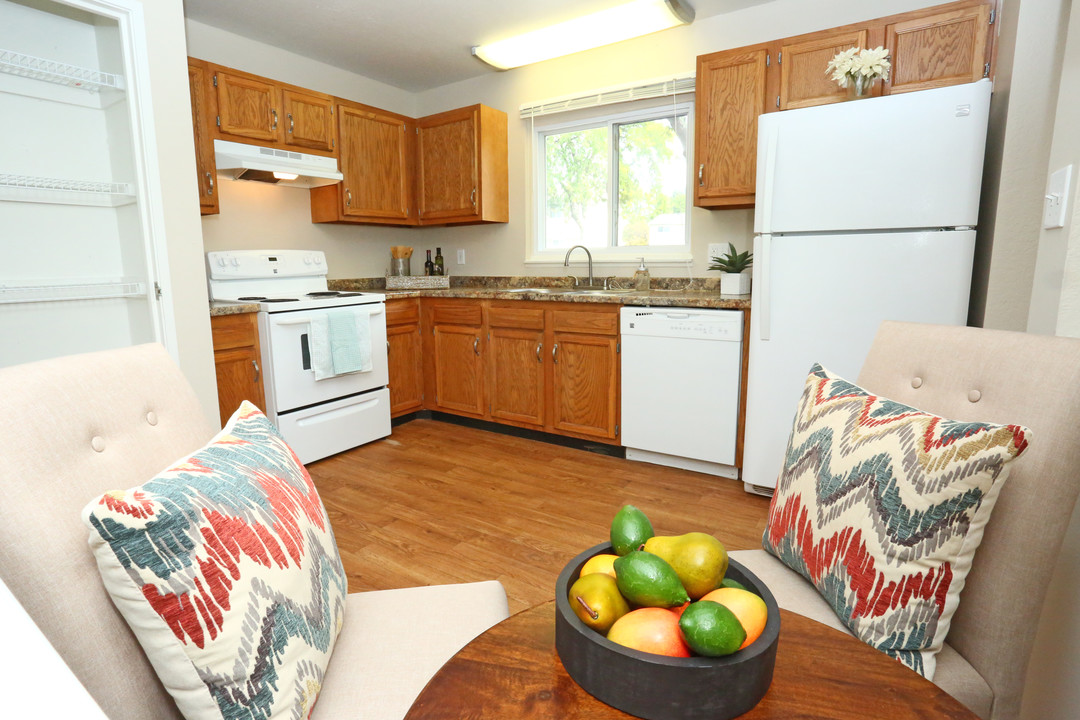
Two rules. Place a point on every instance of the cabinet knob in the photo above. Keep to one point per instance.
(273, 113)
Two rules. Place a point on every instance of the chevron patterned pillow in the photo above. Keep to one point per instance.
(882, 506)
(226, 569)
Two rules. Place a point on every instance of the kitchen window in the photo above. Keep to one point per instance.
(617, 184)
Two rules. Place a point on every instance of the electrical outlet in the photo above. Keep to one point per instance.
(1057, 198)
(717, 249)
(460, 257)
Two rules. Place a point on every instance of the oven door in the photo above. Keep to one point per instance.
(290, 380)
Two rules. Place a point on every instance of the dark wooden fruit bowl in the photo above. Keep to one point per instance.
(657, 687)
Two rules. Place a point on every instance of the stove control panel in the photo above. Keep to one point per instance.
(237, 264)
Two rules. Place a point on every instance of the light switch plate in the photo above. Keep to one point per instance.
(716, 250)
(460, 257)
(1056, 202)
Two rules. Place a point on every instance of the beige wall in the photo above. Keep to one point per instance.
(176, 164)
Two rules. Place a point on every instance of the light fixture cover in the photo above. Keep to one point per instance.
(622, 22)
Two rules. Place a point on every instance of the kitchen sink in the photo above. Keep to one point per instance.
(539, 291)
(611, 291)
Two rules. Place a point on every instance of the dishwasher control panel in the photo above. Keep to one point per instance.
(707, 324)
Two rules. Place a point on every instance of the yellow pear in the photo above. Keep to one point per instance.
(699, 559)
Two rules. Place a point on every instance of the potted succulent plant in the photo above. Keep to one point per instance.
(734, 281)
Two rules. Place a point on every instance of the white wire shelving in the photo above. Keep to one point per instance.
(83, 290)
(15, 63)
(29, 188)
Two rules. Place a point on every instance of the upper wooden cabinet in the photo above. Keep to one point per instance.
(251, 108)
(803, 80)
(942, 48)
(204, 147)
(731, 92)
(376, 159)
(462, 167)
(932, 47)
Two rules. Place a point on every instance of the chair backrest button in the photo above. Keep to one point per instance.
(151, 417)
(916, 382)
(98, 443)
(974, 396)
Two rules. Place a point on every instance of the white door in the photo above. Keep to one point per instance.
(904, 161)
(821, 299)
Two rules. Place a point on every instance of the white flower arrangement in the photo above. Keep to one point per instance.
(860, 67)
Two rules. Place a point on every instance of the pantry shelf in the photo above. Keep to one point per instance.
(72, 291)
(28, 188)
(14, 63)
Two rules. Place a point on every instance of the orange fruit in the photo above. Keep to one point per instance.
(747, 607)
(599, 563)
(650, 629)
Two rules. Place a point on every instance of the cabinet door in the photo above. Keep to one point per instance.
(731, 93)
(198, 81)
(516, 388)
(238, 379)
(374, 162)
(585, 384)
(804, 81)
(247, 106)
(458, 361)
(948, 48)
(309, 120)
(447, 150)
(405, 359)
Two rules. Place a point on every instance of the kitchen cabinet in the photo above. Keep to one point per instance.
(931, 47)
(454, 370)
(585, 372)
(462, 167)
(206, 168)
(258, 110)
(516, 363)
(940, 48)
(375, 157)
(731, 92)
(236, 362)
(404, 355)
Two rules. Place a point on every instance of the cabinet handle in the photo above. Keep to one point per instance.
(700, 174)
(555, 354)
(290, 124)
(273, 112)
(472, 197)
(255, 363)
(476, 345)
(539, 347)
(210, 177)
(387, 349)
(348, 197)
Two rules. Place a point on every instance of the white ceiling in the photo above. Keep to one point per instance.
(411, 44)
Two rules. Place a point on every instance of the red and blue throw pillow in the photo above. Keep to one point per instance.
(882, 506)
(226, 568)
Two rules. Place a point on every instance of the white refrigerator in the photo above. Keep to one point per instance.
(865, 211)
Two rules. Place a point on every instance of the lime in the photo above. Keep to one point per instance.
(711, 629)
(629, 529)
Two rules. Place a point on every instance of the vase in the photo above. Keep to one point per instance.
(859, 87)
(735, 283)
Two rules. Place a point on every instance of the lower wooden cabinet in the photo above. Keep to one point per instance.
(405, 356)
(236, 361)
(540, 365)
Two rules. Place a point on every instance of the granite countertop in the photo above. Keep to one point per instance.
(665, 292)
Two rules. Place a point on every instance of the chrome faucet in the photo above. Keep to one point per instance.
(566, 260)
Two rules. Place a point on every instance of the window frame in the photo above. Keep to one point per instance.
(610, 253)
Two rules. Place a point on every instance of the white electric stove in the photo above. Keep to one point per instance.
(317, 417)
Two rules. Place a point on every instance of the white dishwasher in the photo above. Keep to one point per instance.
(681, 370)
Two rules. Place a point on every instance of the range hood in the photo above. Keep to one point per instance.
(270, 165)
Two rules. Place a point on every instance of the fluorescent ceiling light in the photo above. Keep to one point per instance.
(621, 22)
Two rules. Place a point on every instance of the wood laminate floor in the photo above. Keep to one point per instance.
(441, 503)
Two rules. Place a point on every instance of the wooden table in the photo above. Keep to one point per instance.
(513, 671)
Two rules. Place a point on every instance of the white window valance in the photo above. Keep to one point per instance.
(657, 88)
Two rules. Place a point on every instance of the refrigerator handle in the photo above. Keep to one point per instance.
(763, 285)
(768, 176)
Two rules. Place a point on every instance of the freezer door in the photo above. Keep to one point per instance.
(906, 161)
(821, 299)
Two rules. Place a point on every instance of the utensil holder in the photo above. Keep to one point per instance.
(399, 266)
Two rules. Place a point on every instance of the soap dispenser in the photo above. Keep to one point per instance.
(641, 277)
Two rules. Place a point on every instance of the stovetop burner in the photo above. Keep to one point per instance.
(263, 298)
(323, 293)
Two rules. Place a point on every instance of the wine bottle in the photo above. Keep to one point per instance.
(429, 267)
(439, 269)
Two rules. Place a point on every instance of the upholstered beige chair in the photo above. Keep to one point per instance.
(973, 374)
(75, 427)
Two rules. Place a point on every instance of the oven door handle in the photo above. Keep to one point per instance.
(307, 319)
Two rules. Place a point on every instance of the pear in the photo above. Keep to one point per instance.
(595, 599)
(699, 559)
